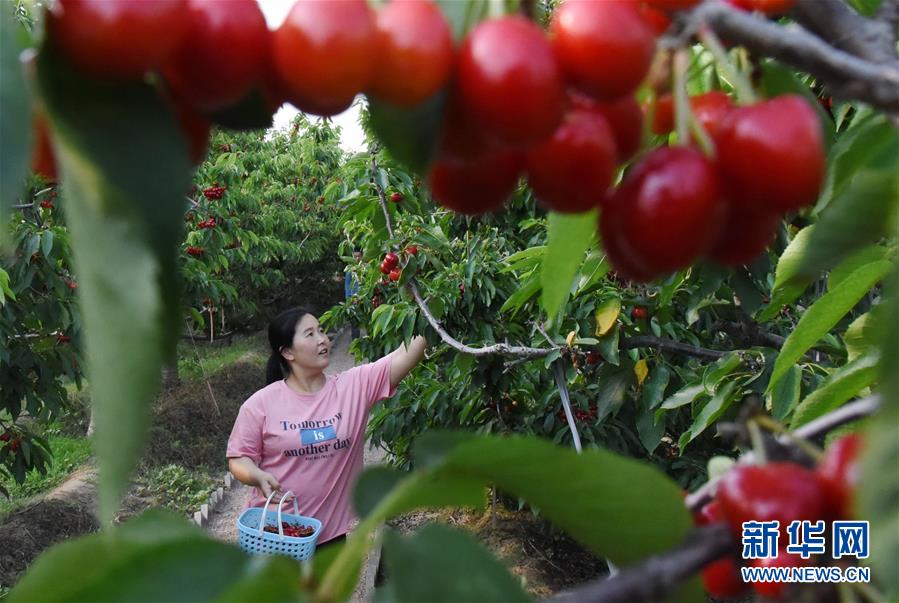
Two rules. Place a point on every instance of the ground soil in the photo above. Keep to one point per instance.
(190, 428)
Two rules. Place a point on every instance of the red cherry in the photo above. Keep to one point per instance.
(663, 117)
(385, 269)
(657, 20)
(625, 118)
(771, 154)
(710, 110)
(628, 264)
(780, 491)
(710, 513)
(776, 590)
(396, 197)
(639, 313)
(223, 56)
(461, 136)
(412, 250)
(671, 5)
(394, 275)
(43, 162)
(722, 579)
(670, 210)
(571, 171)
(4, 437)
(605, 48)
(474, 187)
(415, 48)
(325, 54)
(744, 236)
(509, 79)
(118, 38)
(840, 474)
(63, 339)
(593, 358)
(14, 445)
(391, 260)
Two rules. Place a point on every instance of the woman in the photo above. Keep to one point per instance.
(305, 431)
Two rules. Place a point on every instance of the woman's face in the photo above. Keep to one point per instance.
(311, 348)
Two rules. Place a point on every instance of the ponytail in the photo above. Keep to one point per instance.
(274, 370)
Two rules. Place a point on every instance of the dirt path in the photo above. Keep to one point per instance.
(222, 522)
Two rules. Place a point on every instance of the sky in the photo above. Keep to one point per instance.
(351, 136)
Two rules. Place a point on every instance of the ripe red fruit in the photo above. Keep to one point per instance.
(771, 154)
(669, 210)
(780, 491)
(396, 197)
(385, 269)
(43, 162)
(14, 445)
(722, 579)
(47, 204)
(118, 38)
(325, 54)
(415, 51)
(412, 250)
(461, 136)
(710, 513)
(474, 187)
(572, 171)
(657, 20)
(223, 56)
(63, 338)
(639, 313)
(626, 119)
(776, 590)
(710, 110)
(593, 357)
(394, 275)
(840, 473)
(663, 115)
(768, 7)
(605, 48)
(508, 77)
(194, 251)
(391, 260)
(4, 437)
(744, 236)
(671, 5)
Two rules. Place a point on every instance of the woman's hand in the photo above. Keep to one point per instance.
(266, 482)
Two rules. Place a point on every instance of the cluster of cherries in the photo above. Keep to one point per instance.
(215, 192)
(208, 223)
(785, 492)
(294, 531)
(194, 251)
(390, 266)
(13, 443)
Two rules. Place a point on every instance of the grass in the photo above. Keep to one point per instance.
(195, 361)
(68, 454)
(176, 488)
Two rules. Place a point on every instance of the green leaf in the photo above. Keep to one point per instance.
(878, 488)
(649, 427)
(597, 497)
(857, 216)
(858, 259)
(442, 564)
(654, 389)
(372, 486)
(525, 292)
(463, 14)
(791, 259)
(684, 397)
(125, 203)
(786, 395)
(841, 385)
(608, 346)
(411, 135)
(824, 314)
(723, 398)
(613, 386)
(866, 7)
(866, 332)
(15, 116)
(156, 557)
(570, 236)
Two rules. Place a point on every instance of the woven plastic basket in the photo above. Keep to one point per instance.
(252, 537)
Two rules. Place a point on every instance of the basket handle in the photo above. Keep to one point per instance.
(296, 511)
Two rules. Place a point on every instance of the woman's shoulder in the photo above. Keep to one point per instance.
(263, 395)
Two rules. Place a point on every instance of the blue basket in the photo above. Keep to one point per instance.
(252, 537)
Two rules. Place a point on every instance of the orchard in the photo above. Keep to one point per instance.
(651, 244)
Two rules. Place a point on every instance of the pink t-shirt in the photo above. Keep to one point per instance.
(312, 443)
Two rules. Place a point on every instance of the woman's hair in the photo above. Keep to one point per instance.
(280, 335)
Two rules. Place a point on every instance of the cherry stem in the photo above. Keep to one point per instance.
(741, 84)
(758, 442)
(807, 447)
(681, 102)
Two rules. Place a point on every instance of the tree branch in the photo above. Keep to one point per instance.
(649, 341)
(836, 22)
(845, 74)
